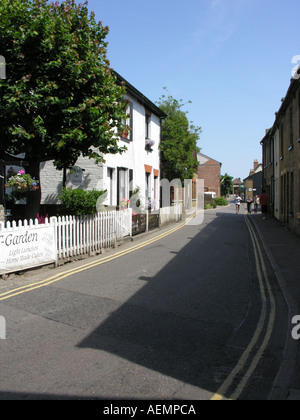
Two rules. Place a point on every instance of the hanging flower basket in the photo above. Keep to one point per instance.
(149, 144)
(22, 183)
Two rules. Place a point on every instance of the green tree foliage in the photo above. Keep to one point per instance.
(60, 99)
(179, 141)
(226, 185)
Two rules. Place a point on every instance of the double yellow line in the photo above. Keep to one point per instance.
(267, 320)
(68, 273)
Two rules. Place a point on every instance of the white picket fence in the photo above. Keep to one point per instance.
(32, 244)
(70, 236)
(90, 234)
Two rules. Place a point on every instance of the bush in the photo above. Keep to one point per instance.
(75, 202)
(221, 201)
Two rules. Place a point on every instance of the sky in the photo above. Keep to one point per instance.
(231, 58)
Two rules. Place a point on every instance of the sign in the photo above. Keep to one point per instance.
(28, 247)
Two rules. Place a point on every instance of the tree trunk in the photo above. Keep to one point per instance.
(33, 197)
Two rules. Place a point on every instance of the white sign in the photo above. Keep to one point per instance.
(26, 248)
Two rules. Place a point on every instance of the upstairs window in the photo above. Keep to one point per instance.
(148, 125)
(282, 140)
(127, 134)
(291, 128)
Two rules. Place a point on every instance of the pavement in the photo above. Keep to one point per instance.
(283, 249)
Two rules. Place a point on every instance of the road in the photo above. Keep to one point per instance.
(189, 313)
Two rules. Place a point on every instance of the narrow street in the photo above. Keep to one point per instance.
(191, 314)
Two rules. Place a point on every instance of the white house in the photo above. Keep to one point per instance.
(120, 175)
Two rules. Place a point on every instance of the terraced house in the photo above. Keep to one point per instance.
(120, 175)
(281, 160)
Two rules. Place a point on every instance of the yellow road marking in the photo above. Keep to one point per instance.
(270, 327)
(220, 395)
(65, 274)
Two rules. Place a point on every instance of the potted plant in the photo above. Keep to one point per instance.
(22, 182)
(149, 144)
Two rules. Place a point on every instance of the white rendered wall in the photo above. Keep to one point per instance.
(90, 176)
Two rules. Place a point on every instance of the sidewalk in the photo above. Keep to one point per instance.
(283, 249)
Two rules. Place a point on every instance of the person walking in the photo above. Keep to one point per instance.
(264, 202)
(237, 201)
(249, 204)
(256, 204)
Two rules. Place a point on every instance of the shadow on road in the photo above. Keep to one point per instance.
(185, 322)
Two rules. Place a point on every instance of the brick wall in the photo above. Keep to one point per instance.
(210, 172)
(289, 151)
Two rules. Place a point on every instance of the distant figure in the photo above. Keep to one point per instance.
(264, 202)
(237, 201)
(256, 204)
(249, 204)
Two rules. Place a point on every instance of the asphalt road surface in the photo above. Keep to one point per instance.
(194, 313)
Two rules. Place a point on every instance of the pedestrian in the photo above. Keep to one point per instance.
(256, 204)
(237, 201)
(249, 204)
(264, 202)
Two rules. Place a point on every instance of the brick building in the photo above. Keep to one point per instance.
(281, 160)
(253, 184)
(238, 187)
(209, 170)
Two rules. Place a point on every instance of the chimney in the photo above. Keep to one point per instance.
(256, 164)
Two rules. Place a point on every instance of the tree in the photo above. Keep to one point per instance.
(60, 98)
(179, 141)
(226, 185)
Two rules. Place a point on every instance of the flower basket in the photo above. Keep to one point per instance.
(22, 183)
(149, 144)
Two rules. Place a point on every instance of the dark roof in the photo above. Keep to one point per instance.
(131, 90)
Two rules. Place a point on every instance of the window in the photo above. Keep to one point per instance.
(110, 177)
(148, 188)
(282, 140)
(122, 186)
(265, 154)
(271, 150)
(128, 124)
(282, 194)
(148, 125)
(292, 193)
(291, 128)
(130, 183)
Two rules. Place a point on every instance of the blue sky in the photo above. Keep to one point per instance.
(231, 58)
